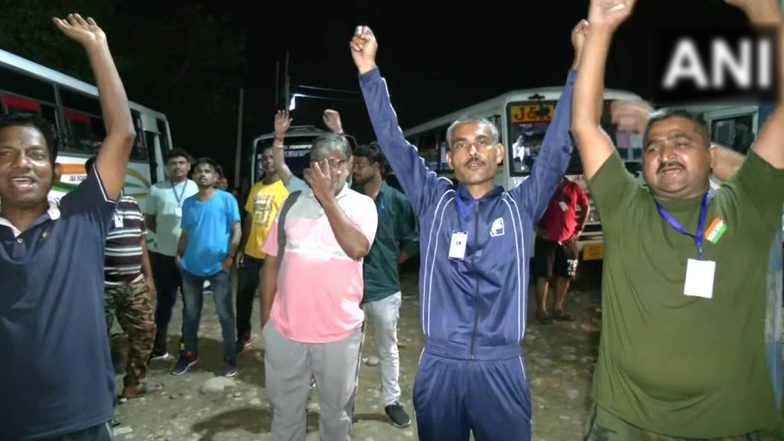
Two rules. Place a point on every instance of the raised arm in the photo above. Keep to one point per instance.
(282, 123)
(417, 180)
(112, 162)
(769, 144)
(332, 120)
(536, 191)
(593, 144)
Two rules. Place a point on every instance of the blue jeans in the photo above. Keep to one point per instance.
(193, 291)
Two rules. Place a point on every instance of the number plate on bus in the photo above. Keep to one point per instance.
(593, 251)
(534, 113)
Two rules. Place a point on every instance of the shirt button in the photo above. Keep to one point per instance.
(19, 240)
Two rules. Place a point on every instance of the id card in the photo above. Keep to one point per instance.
(457, 248)
(178, 211)
(699, 278)
(118, 221)
(563, 206)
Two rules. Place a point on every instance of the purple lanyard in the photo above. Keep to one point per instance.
(698, 238)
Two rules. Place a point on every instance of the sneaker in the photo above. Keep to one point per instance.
(397, 415)
(186, 360)
(230, 367)
(160, 356)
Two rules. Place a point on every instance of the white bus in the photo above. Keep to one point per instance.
(298, 141)
(73, 106)
(522, 118)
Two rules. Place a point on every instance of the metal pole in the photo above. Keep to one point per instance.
(238, 153)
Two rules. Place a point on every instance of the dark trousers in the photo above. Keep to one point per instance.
(101, 432)
(168, 281)
(247, 286)
(487, 397)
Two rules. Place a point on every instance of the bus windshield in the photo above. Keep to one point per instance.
(296, 154)
(528, 123)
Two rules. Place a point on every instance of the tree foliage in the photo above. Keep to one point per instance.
(180, 60)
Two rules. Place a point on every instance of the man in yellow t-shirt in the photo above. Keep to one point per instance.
(264, 201)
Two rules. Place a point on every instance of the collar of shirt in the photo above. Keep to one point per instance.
(53, 213)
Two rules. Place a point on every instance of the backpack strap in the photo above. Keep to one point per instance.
(290, 200)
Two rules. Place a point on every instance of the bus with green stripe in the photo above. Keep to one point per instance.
(73, 106)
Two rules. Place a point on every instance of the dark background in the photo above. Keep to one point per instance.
(189, 59)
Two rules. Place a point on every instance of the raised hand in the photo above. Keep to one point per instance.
(323, 180)
(282, 123)
(331, 119)
(363, 49)
(84, 32)
(609, 13)
(579, 34)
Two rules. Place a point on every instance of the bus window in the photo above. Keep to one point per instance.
(528, 122)
(25, 85)
(84, 129)
(296, 155)
(83, 133)
(734, 132)
(163, 129)
(139, 151)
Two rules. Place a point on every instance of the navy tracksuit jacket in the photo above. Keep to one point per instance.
(471, 376)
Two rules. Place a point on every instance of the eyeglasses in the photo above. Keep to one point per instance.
(333, 163)
(479, 143)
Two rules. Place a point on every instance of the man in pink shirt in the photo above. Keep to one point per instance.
(311, 291)
(555, 249)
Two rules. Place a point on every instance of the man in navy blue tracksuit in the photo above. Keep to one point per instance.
(474, 262)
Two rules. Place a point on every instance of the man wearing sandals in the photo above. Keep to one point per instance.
(129, 290)
(555, 248)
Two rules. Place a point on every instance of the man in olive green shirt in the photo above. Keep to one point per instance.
(684, 287)
(397, 238)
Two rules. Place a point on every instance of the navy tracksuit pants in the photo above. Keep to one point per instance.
(487, 397)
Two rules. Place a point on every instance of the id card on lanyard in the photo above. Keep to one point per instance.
(178, 198)
(700, 273)
(459, 240)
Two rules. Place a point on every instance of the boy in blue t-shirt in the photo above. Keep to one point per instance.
(206, 251)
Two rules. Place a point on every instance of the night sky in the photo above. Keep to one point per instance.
(438, 57)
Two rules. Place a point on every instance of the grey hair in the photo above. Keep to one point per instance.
(330, 143)
(480, 121)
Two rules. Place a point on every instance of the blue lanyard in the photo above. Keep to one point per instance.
(463, 209)
(182, 193)
(698, 238)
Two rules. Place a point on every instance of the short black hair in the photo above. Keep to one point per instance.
(211, 162)
(43, 125)
(372, 152)
(176, 153)
(661, 115)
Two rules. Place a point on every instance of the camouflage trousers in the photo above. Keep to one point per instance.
(604, 426)
(132, 306)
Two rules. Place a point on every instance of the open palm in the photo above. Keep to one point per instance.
(85, 32)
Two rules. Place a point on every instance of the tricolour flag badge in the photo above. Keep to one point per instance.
(715, 230)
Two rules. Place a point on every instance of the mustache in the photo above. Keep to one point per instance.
(474, 159)
(669, 164)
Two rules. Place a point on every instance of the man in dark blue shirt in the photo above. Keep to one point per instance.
(57, 379)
